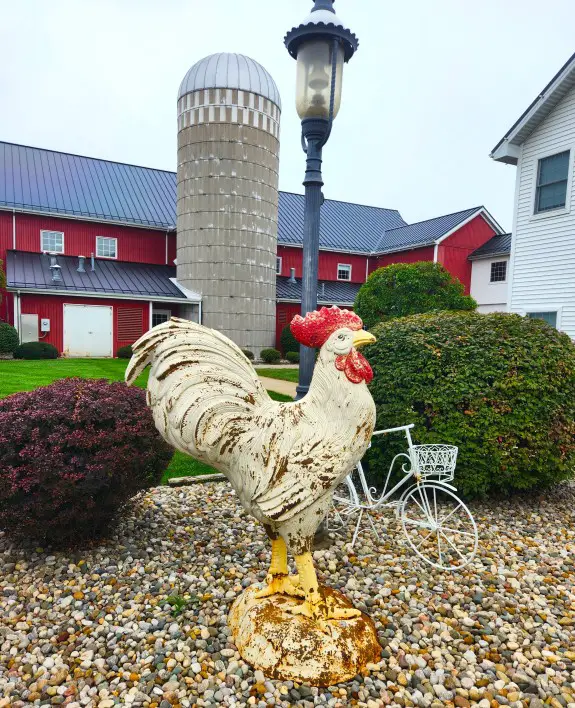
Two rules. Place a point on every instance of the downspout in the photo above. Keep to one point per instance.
(166, 248)
(435, 250)
(13, 229)
(150, 319)
(200, 312)
(366, 268)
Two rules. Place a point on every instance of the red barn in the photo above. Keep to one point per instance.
(89, 246)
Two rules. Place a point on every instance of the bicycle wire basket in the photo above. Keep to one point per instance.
(436, 461)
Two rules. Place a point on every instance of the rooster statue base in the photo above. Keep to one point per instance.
(284, 461)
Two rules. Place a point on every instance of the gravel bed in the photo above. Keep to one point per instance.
(92, 627)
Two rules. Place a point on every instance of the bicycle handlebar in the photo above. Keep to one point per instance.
(392, 430)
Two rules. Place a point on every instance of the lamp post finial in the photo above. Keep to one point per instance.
(323, 5)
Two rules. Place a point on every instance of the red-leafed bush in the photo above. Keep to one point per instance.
(71, 454)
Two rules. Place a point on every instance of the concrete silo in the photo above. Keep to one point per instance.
(228, 156)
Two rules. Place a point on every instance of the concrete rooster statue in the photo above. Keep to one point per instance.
(284, 461)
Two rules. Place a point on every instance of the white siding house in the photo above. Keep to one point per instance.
(542, 145)
(490, 274)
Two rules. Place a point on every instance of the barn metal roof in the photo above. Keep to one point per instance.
(499, 245)
(329, 292)
(235, 71)
(31, 271)
(57, 183)
(49, 182)
(423, 233)
(353, 228)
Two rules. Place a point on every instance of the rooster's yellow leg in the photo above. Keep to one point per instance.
(314, 605)
(278, 579)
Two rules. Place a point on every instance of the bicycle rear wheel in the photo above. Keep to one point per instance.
(438, 526)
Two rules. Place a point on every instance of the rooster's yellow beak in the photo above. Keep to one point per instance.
(362, 337)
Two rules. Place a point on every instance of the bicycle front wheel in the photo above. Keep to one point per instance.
(438, 526)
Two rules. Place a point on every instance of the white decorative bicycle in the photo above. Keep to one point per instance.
(437, 524)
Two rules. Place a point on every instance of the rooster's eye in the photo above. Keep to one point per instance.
(341, 336)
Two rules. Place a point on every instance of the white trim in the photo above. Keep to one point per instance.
(560, 211)
(16, 318)
(94, 219)
(480, 212)
(47, 250)
(108, 238)
(344, 265)
(150, 312)
(435, 250)
(103, 296)
(190, 294)
(511, 266)
(280, 259)
(505, 147)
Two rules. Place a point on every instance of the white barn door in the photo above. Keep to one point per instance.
(88, 330)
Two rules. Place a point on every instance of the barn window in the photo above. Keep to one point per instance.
(52, 241)
(552, 182)
(106, 247)
(130, 324)
(498, 272)
(343, 271)
(160, 316)
(278, 265)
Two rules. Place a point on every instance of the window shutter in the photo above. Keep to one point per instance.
(130, 324)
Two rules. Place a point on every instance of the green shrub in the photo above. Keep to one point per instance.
(293, 357)
(403, 289)
(36, 350)
(288, 342)
(501, 387)
(270, 356)
(124, 352)
(8, 338)
(249, 354)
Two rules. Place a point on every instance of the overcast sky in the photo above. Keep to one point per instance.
(433, 87)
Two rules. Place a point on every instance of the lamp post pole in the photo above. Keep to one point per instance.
(321, 45)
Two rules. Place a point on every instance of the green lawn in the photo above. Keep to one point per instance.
(283, 374)
(19, 375)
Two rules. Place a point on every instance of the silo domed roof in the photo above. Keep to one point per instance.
(236, 71)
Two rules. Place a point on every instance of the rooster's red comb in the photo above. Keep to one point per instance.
(314, 329)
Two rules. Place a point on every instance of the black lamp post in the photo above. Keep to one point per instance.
(321, 45)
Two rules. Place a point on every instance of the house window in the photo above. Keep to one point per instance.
(343, 271)
(498, 272)
(52, 241)
(278, 265)
(106, 247)
(159, 316)
(552, 182)
(549, 317)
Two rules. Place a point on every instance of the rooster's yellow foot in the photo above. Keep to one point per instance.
(321, 611)
(281, 585)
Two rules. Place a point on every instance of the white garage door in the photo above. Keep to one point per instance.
(87, 330)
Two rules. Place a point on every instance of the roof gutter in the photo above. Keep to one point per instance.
(485, 256)
(101, 295)
(319, 302)
(79, 217)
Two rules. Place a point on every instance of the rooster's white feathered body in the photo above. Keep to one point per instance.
(284, 460)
